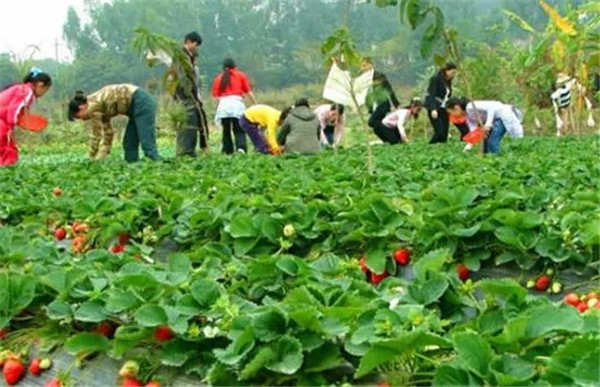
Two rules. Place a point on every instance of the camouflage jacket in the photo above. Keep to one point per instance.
(103, 105)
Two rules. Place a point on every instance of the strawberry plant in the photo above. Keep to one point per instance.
(232, 276)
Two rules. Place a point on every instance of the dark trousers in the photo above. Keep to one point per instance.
(233, 125)
(463, 129)
(440, 126)
(385, 134)
(196, 126)
(328, 132)
(141, 128)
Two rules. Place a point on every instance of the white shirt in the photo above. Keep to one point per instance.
(493, 110)
(397, 119)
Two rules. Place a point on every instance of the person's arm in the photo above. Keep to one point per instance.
(107, 138)
(340, 128)
(401, 120)
(272, 134)
(17, 106)
(252, 97)
(284, 131)
(491, 113)
(95, 136)
(215, 87)
(247, 89)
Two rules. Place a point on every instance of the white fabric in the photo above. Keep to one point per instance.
(160, 56)
(231, 106)
(397, 119)
(491, 110)
(339, 85)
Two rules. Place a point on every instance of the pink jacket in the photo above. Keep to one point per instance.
(321, 113)
(12, 102)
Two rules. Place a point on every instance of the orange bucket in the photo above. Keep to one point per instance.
(456, 120)
(32, 122)
(474, 136)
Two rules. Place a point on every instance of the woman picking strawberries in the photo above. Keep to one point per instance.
(14, 101)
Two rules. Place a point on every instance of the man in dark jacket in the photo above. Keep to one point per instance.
(438, 93)
(299, 132)
(187, 93)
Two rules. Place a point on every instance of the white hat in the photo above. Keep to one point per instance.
(562, 78)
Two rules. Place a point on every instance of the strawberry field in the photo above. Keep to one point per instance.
(439, 268)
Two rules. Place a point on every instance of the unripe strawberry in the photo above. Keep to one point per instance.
(530, 284)
(556, 287)
(130, 369)
(289, 231)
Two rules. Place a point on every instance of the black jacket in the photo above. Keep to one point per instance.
(436, 92)
(187, 87)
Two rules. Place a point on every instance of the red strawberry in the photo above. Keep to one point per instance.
(60, 233)
(105, 329)
(56, 192)
(153, 383)
(377, 278)
(542, 283)
(124, 239)
(582, 307)
(34, 366)
(80, 228)
(54, 382)
(131, 382)
(13, 371)
(117, 249)
(3, 333)
(597, 306)
(402, 256)
(462, 271)
(163, 333)
(363, 264)
(571, 299)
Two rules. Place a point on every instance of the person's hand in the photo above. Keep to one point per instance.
(276, 151)
(434, 114)
(407, 140)
(486, 130)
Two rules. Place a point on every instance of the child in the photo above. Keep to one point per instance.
(394, 122)
(299, 133)
(113, 100)
(230, 87)
(14, 101)
(331, 123)
(262, 118)
(497, 119)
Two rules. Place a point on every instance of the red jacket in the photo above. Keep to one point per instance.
(238, 84)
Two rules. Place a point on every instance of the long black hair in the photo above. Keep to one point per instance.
(284, 114)
(228, 64)
(34, 76)
(415, 102)
(337, 107)
(457, 101)
(447, 67)
(78, 99)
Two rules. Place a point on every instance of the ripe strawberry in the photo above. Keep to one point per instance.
(571, 299)
(54, 382)
(402, 256)
(542, 283)
(130, 369)
(377, 278)
(591, 295)
(13, 371)
(153, 383)
(105, 329)
(117, 249)
(124, 239)
(462, 271)
(80, 228)
(56, 192)
(60, 233)
(163, 333)
(3, 333)
(34, 366)
(363, 264)
(582, 307)
(131, 382)
(597, 305)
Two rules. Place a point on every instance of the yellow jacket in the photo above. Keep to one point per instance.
(268, 119)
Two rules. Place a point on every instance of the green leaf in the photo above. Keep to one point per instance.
(505, 288)
(564, 360)
(288, 265)
(176, 352)
(449, 376)
(205, 292)
(376, 260)
(288, 356)
(241, 226)
(384, 351)
(236, 350)
(58, 310)
(258, 362)
(86, 343)
(324, 358)
(511, 370)
(269, 325)
(473, 352)
(120, 300)
(432, 261)
(151, 315)
(549, 318)
(91, 311)
(16, 293)
(430, 290)
(587, 370)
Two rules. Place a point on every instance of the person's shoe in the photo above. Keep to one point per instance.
(241, 151)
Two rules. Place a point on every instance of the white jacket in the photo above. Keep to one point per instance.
(489, 111)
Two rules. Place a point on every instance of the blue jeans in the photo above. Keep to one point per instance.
(492, 142)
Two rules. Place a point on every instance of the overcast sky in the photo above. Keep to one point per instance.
(35, 22)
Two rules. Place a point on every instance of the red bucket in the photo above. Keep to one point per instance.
(474, 136)
(457, 120)
(32, 122)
